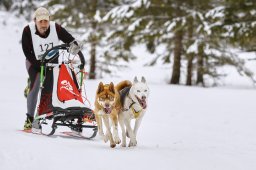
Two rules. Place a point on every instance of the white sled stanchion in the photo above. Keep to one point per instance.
(60, 100)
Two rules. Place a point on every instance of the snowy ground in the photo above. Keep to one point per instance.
(185, 128)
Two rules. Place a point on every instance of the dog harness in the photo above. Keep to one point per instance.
(136, 114)
(123, 93)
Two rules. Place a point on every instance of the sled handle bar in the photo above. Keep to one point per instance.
(58, 64)
(58, 47)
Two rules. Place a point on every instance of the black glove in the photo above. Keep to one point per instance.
(74, 47)
(81, 66)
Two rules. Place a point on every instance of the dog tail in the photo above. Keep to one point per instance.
(123, 84)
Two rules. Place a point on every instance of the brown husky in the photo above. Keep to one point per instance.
(107, 106)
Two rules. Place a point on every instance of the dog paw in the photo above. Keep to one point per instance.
(101, 133)
(117, 140)
(123, 144)
(112, 145)
(105, 138)
(132, 143)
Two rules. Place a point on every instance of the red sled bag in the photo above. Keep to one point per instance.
(65, 93)
(66, 88)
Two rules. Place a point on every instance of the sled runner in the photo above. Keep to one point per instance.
(60, 101)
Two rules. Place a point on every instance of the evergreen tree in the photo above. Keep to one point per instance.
(6, 4)
(86, 17)
(239, 28)
(25, 8)
(240, 23)
(190, 30)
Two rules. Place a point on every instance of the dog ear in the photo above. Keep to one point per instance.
(135, 79)
(112, 87)
(143, 80)
(100, 88)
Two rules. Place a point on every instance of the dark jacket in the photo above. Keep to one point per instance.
(27, 44)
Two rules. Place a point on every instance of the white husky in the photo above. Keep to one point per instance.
(134, 107)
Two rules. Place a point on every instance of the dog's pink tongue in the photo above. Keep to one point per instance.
(107, 110)
(144, 104)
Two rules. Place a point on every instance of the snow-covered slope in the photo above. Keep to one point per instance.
(185, 128)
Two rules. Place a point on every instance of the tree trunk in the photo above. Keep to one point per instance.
(190, 56)
(190, 69)
(7, 4)
(92, 73)
(200, 65)
(177, 57)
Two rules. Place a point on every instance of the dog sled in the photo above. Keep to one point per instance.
(60, 100)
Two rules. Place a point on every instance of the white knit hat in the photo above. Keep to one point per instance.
(42, 14)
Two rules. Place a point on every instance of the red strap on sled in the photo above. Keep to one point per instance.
(66, 88)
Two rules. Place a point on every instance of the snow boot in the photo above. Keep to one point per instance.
(28, 122)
